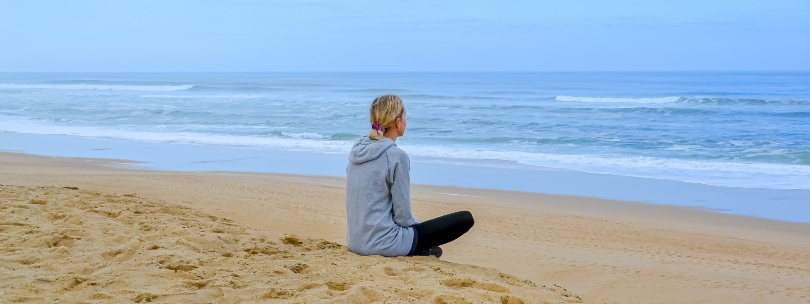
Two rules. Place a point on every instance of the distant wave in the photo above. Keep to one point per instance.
(241, 89)
(673, 99)
(200, 96)
(440, 97)
(301, 135)
(99, 87)
(620, 100)
(291, 141)
(376, 90)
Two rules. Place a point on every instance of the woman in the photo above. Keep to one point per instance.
(378, 194)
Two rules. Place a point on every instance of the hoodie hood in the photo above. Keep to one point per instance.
(365, 149)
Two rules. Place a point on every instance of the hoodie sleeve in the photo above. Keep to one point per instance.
(400, 179)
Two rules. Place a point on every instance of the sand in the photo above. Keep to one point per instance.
(136, 235)
(71, 245)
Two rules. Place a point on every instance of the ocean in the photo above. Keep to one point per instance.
(737, 132)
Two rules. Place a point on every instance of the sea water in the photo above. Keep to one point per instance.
(728, 132)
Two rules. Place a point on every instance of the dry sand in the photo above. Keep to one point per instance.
(71, 245)
(134, 235)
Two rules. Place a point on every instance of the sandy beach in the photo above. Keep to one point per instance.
(88, 230)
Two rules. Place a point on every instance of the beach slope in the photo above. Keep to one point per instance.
(64, 244)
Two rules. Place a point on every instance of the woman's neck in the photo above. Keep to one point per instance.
(391, 133)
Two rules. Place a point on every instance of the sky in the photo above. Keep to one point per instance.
(403, 36)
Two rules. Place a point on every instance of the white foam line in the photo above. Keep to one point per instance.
(30, 127)
(456, 194)
(619, 100)
(100, 87)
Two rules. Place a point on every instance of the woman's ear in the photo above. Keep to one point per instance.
(401, 126)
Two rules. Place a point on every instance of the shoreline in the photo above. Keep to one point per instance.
(581, 203)
(606, 251)
(779, 204)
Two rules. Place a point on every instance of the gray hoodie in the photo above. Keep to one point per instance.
(378, 199)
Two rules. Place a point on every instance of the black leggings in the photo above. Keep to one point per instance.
(441, 230)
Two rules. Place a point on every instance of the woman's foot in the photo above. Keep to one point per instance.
(432, 251)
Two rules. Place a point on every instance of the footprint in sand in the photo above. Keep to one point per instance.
(469, 283)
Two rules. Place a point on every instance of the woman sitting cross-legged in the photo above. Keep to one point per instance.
(378, 194)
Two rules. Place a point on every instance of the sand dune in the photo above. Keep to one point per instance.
(69, 245)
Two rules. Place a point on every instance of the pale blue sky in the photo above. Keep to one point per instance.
(447, 35)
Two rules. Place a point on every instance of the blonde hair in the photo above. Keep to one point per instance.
(384, 112)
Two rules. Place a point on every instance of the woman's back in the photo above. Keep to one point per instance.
(378, 205)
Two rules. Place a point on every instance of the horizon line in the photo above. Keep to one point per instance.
(403, 72)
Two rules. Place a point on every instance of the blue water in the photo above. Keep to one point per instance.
(734, 130)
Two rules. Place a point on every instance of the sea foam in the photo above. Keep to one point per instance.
(287, 141)
(620, 100)
(98, 87)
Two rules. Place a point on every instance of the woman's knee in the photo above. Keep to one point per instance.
(467, 218)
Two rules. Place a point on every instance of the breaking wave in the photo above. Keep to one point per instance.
(620, 100)
(97, 87)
